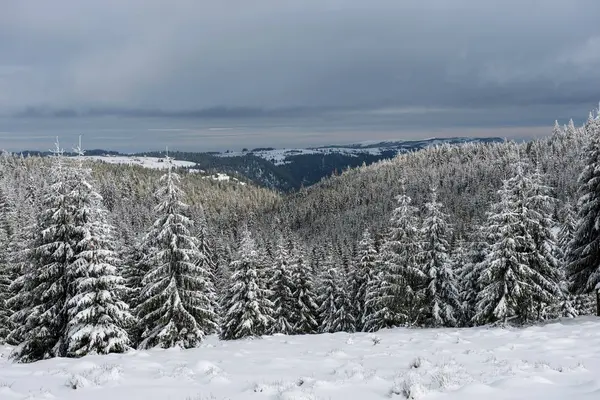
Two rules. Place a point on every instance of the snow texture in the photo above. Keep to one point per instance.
(553, 362)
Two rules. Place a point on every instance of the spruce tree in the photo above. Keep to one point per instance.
(392, 297)
(539, 205)
(583, 257)
(567, 228)
(246, 306)
(19, 254)
(569, 303)
(440, 305)
(177, 299)
(282, 290)
(470, 271)
(42, 289)
(5, 277)
(518, 274)
(501, 278)
(363, 274)
(344, 320)
(206, 263)
(328, 296)
(97, 316)
(305, 299)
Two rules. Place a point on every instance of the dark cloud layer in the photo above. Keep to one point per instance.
(309, 58)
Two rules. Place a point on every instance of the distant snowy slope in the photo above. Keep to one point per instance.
(146, 162)
(557, 361)
(281, 156)
(285, 156)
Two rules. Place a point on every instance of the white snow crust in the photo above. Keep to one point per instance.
(557, 361)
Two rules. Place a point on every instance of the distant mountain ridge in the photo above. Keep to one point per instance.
(292, 168)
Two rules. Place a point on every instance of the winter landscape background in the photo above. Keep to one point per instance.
(456, 269)
(311, 199)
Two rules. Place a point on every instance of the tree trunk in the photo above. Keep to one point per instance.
(598, 303)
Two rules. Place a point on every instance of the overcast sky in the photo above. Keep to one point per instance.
(465, 62)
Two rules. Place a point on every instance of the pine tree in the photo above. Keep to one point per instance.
(539, 223)
(518, 274)
(19, 254)
(392, 295)
(40, 317)
(246, 305)
(363, 274)
(344, 320)
(441, 305)
(569, 304)
(305, 299)
(566, 304)
(328, 298)
(5, 275)
(205, 262)
(567, 227)
(583, 270)
(136, 263)
(176, 302)
(282, 291)
(96, 314)
(501, 276)
(476, 251)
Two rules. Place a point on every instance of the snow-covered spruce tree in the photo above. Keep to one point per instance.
(39, 305)
(440, 299)
(470, 271)
(344, 320)
(516, 275)
(305, 298)
(5, 273)
(18, 254)
(136, 263)
(392, 297)
(206, 263)
(223, 255)
(282, 290)
(583, 257)
(363, 273)
(334, 300)
(264, 272)
(247, 310)
(328, 288)
(570, 305)
(540, 223)
(177, 298)
(566, 304)
(500, 272)
(96, 314)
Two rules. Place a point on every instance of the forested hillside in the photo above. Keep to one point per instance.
(99, 258)
(466, 176)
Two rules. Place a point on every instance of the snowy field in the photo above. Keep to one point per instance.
(553, 362)
(146, 162)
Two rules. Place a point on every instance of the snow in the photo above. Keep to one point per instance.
(375, 148)
(556, 361)
(223, 177)
(146, 162)
(279, 156)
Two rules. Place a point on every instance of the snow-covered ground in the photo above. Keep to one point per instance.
(146, 162)
(557, 361)
(223, 177)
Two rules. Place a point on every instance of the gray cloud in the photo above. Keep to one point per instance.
(273, 58)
